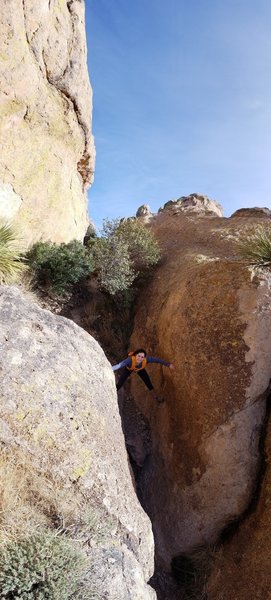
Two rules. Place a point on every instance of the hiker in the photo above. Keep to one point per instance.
(136, 362)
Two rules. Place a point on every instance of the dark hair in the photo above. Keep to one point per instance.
(140, 350)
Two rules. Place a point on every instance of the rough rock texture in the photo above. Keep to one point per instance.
(242, 568)
(59, 415)
(252, 212)
(144, 211)
(207, 313)
(195, 203)
(47, 150)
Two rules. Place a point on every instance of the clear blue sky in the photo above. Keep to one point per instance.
(182, 102)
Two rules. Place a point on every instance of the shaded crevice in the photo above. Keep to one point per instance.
(189, 572)
(229, 531)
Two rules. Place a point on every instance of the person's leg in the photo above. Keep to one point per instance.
(145, 377)
(125, 374)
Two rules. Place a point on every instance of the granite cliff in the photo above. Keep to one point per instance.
(47, 149)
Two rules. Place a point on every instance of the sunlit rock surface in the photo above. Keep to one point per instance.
(207, 313)
(47, 150)
(194, 203)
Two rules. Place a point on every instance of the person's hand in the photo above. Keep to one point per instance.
(171, 366)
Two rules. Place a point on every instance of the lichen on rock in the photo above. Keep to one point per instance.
(47, 157)
(62, 446)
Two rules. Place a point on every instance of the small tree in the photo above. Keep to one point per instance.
(125, 249)
(113, 264)
(143, 249)
(11, 263)
(59, 266)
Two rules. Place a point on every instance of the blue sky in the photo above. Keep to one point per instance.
(182, 102)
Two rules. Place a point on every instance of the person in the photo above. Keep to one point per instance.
(136, 363)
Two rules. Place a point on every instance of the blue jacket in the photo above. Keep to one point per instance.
(128, 361)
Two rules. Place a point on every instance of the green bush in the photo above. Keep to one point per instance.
(255, 248)
(59, 266)
(44, 567)
(112, 261)
(143, 249)
(10, 257)
(126, 249)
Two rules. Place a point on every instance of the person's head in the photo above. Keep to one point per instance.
(139, 354)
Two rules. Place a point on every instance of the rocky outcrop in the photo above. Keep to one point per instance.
(255, 212)
(144, 211)
(62, 447)
(210, 315)
(47, 150)
(194, 203)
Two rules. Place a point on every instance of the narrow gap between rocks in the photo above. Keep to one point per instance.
(189, 572)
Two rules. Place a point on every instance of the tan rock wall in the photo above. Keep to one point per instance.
(205, 312)
(47, 150)
(242, 566)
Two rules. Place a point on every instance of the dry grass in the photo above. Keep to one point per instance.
(31, 501)
(255, 246)
(27, 283)
(45, 532)
(11, 264)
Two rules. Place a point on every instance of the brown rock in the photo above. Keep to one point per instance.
(242, 567)
(47, 150)
(252, 212)
(205, 312)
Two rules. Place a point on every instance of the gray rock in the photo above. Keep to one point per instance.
(144, 211)
(195, 203)
(60, 419)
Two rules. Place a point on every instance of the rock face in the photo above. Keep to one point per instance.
(242, 567)
(47, 150)
(60, 421)
(205, 312)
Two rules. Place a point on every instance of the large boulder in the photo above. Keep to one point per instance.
(209, 314)
(47, 150)
(62, 447)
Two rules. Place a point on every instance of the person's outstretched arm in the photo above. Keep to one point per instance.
(152, 359)
(124, 363)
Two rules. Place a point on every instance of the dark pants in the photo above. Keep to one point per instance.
(142, 374)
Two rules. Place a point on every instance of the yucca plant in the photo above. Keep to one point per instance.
(256, 247)
(11, 263)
